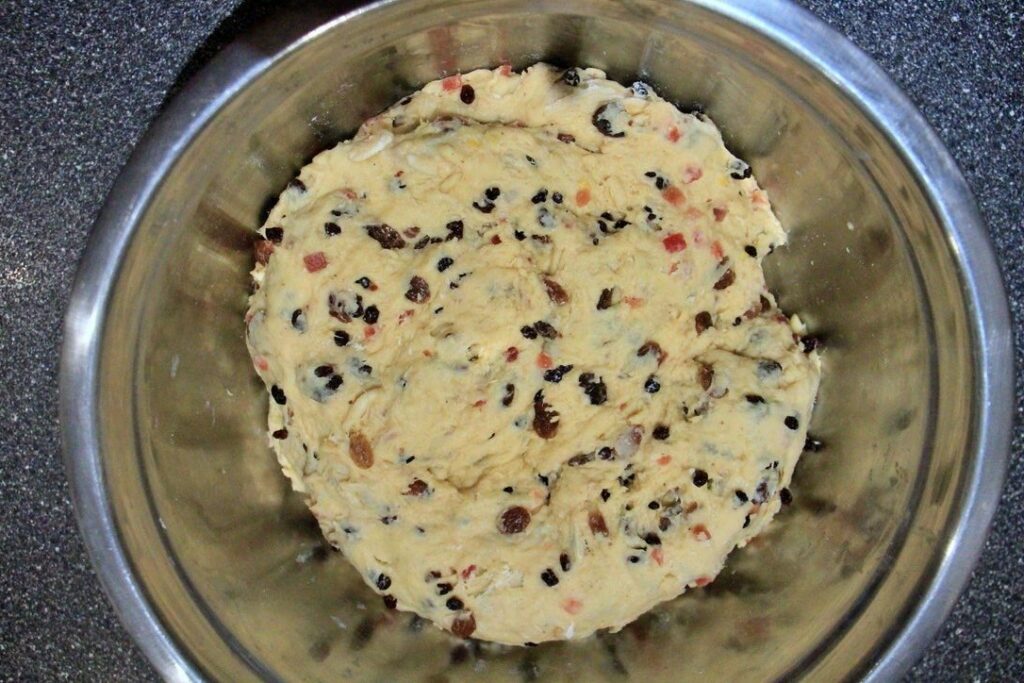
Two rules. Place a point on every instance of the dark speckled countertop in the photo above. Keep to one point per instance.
(82, 80)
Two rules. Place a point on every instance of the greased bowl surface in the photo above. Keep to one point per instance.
(217, 569)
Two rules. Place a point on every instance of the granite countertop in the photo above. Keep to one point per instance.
(82, 81)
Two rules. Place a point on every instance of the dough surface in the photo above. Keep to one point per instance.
(521, 355)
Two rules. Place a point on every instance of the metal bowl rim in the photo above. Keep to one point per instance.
(795, 30)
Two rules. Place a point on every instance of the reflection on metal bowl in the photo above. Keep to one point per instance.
(217, 568)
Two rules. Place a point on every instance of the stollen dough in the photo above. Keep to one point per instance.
(521, 356)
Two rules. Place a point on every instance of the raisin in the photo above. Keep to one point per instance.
(390, 601)
(528, 331)
(492, 193)
(702, 321)
(556, 292)
(454, 604)
(557, 198)
(664, 523)
(652, 347)
(566, 138)
(595, 520)
(760, 493)
(549, 577)
(323, 370)
(540, 197)
(653, 505)
(700, 478)
(660, 432)
(652, 385)
(262, 249)
(444, 264)
(705, 376)
(338, 306)
(545, 330)
(371, 315)
(359, 450)
(728, 277)
(332, 229)
(386, 236)
(280, 434)
(419, 290)
(605, 495)
(275, 235)
(580, 459)
(383, 582)
(603, 123)
(556, 374)
(751, 251)
(652, 539)
(278, 394)
(455, 229)
(467, 94)
(514, 520)
(417, 488)
(605, 300)
(792, 422)
(741, 496)
(739, 169)
(545, 419)
(564, 562)
(594, 388)
(463, 625)
(754, 399)
(519, 235)
(510, 394)
(545, 219)
(444, 588)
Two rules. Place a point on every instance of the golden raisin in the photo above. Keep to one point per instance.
(360, 450)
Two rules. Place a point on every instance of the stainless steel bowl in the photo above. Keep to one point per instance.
(216, 568)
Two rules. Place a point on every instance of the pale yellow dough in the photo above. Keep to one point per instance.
(423, 389)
